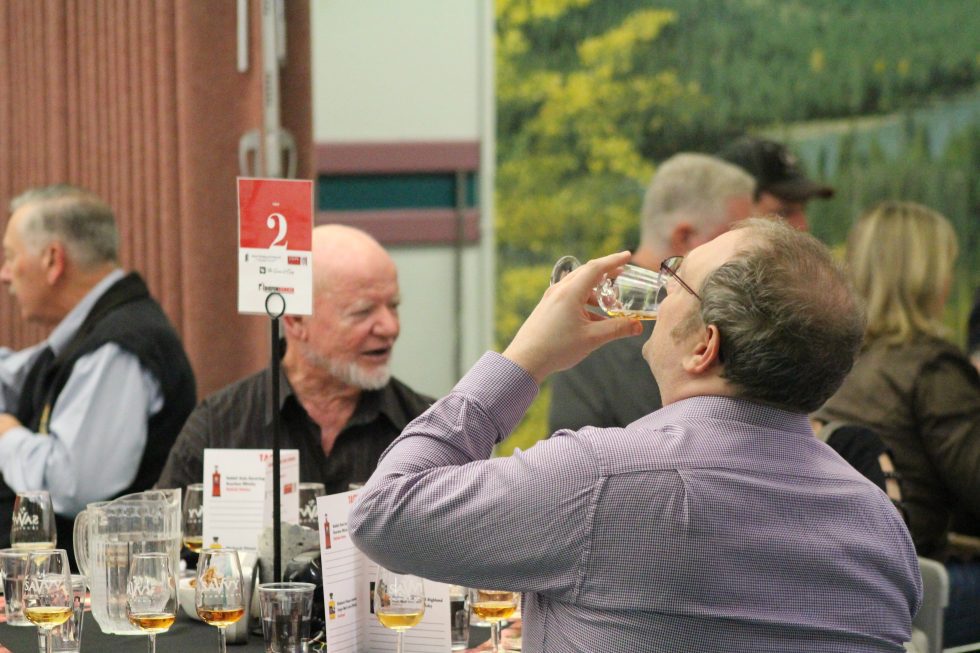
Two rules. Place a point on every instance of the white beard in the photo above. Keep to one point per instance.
(355, 375)
(350, 373)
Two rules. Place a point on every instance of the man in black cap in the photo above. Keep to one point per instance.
(782, 188)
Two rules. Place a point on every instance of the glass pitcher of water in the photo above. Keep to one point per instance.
(109, 533)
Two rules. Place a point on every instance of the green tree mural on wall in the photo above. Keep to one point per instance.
(880, 99)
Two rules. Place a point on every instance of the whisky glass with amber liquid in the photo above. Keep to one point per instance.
(399, 601)
(218, 593)
(151, 595)
(634, 292)
(48, 596)
(192, 518)
(495, 606)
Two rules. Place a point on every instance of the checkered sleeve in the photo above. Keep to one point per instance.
(438, 508)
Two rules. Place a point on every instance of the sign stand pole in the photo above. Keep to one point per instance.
(275, 307)
(275, 258)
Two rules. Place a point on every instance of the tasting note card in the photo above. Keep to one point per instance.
(275, 244)
(348, 586)
(238, 494)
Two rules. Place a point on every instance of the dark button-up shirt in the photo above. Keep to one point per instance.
(240, 417)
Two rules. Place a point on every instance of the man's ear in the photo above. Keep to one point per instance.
(295, 327)
(706, 352)
(682, 238)
(54, 261)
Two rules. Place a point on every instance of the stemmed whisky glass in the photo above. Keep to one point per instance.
(33, 521)
(193, 517)
(494, 606)
(48, 596)
(218, 593)
(151, 595)
(399, 601)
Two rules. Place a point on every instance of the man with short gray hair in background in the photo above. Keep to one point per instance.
(691, 199)
(91, 412)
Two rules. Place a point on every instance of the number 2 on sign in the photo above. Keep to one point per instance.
(271, 222)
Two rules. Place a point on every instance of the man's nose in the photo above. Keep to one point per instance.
(387, 323)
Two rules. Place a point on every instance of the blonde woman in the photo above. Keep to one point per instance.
(917, 390)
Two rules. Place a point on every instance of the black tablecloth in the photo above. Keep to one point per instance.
(185, 636)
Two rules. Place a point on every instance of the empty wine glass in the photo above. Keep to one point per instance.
(193, 517)
(399, 601)
(33, 522)
(151, 595)
(48, 596)
(494, 606)
(635, 292)
(218, 592)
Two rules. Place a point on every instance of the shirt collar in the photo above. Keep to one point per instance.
(734, 409)
(370, 405)
(69, 325)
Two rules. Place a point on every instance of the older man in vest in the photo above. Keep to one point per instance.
(91, 412)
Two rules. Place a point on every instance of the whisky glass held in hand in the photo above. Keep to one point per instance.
(635, 292)
(495, 606)
(48, 596)
(399, 601)
(151, 595)
(218, 593)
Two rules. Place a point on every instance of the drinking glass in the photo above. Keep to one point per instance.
(151, 595)
(286, 610)
(459, 618)
(635, 292)
(494, 606)
(67, 637)
(193, 517)
(33, 523)
(13, 569)
(218, 594)
(399, 601)
(308, 492)
(48, 597)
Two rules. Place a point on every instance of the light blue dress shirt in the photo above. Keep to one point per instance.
(98, 427)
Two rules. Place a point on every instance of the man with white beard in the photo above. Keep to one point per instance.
(338, 403)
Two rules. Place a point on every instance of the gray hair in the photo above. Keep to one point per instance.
(694, 188)
(74, 216)
(790, 323)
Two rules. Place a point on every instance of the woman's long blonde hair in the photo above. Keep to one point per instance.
(901, 257)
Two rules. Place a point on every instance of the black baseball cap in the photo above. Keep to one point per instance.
(776, 169)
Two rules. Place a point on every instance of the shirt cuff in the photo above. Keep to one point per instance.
(501, 387)
(10, 442)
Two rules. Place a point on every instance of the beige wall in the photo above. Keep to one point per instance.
(391, 72)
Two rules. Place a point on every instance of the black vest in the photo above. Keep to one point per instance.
(127, 316)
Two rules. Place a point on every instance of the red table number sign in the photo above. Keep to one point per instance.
(275, 242)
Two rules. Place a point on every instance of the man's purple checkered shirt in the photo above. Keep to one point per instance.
(713, 524)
